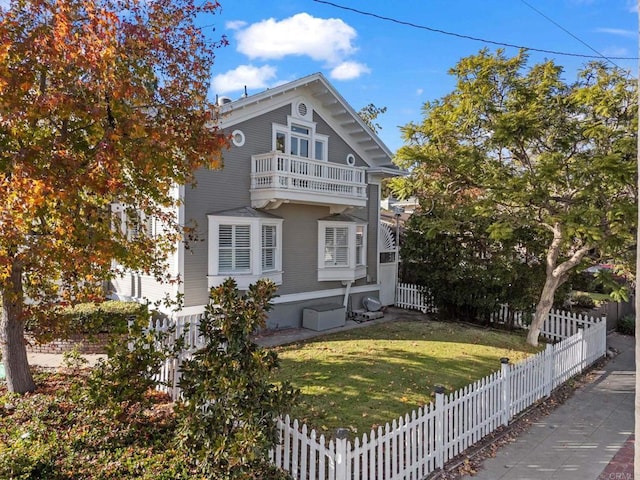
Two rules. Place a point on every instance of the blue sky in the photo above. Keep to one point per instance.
(370, 60)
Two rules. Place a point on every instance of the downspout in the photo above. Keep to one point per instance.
(346, 294)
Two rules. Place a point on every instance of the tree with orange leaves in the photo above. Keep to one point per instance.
(103, 103)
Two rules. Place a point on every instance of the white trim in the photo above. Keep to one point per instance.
(317, 294)
(379, 187)
(351, 159)
(243, 280)
(241, 139)
(297, 297)
(312, 137)
(351, 271)
(180, 250)
(215, 277)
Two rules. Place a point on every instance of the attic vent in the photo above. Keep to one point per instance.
(302, 109)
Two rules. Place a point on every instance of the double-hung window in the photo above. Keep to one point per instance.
(336, 246)
(245, 248)
(342, 243)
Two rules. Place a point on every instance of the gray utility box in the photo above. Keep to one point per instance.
(324, 316)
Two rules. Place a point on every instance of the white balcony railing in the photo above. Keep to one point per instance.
(278, 177)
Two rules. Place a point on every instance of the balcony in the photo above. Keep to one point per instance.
(278, 178)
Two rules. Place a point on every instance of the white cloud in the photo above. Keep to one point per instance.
(618, 31)
(349, 71)
(615, 52)
(234, 24)
(328, 40)
(419, 91)
(245, 75)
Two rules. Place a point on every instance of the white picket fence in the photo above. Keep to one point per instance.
(186, 326)
(413, 297)
(559, 324)
(415, 445)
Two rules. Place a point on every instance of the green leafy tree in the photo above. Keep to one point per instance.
(468, 274)
(528, 150)
(103, 107)
(369, 114)
(227, 416)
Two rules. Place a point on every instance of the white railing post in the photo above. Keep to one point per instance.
(439, 444)
(505, 375)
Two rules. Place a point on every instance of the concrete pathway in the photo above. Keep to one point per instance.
(589, 437)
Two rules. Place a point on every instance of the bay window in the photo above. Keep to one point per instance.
(246, 248)
(341, 248)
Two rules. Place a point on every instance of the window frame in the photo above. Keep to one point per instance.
(246, 277)
(313, 138)
(355, 268)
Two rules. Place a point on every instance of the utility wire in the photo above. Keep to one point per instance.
(468, 37)
(569, 33)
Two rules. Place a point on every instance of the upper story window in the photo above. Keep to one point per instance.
(246, 248)
(299, 138)
(342, 254)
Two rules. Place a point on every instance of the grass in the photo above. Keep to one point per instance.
(362, 378)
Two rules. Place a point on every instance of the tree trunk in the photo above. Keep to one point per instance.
(543, 308)
(14, 351)
(556, 276)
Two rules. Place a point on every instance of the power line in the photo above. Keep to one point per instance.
(468, 37)
(569, 33)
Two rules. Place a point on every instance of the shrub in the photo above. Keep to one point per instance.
(227, 419)
(582, 300)
(92, 318)
(121, 383)
(627, 325)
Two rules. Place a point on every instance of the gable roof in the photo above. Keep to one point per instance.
(328, 103)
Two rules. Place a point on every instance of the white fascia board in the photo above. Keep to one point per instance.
(318, 294)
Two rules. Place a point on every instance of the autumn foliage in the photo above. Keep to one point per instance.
(103, 104)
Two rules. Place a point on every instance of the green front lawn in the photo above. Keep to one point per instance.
(362, 378)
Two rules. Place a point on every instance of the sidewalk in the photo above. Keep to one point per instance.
(589, 437)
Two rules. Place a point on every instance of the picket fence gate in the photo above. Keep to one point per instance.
(417, 444)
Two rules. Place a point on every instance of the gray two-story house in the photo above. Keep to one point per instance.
(297, 201)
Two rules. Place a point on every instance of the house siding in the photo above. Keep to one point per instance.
(138, 287)
(338, 148)
(228, 188)
(219, 190)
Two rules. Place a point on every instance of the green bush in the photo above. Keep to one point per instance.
(227, 416)
(582, 300)
(91, 318)
(627, 325)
